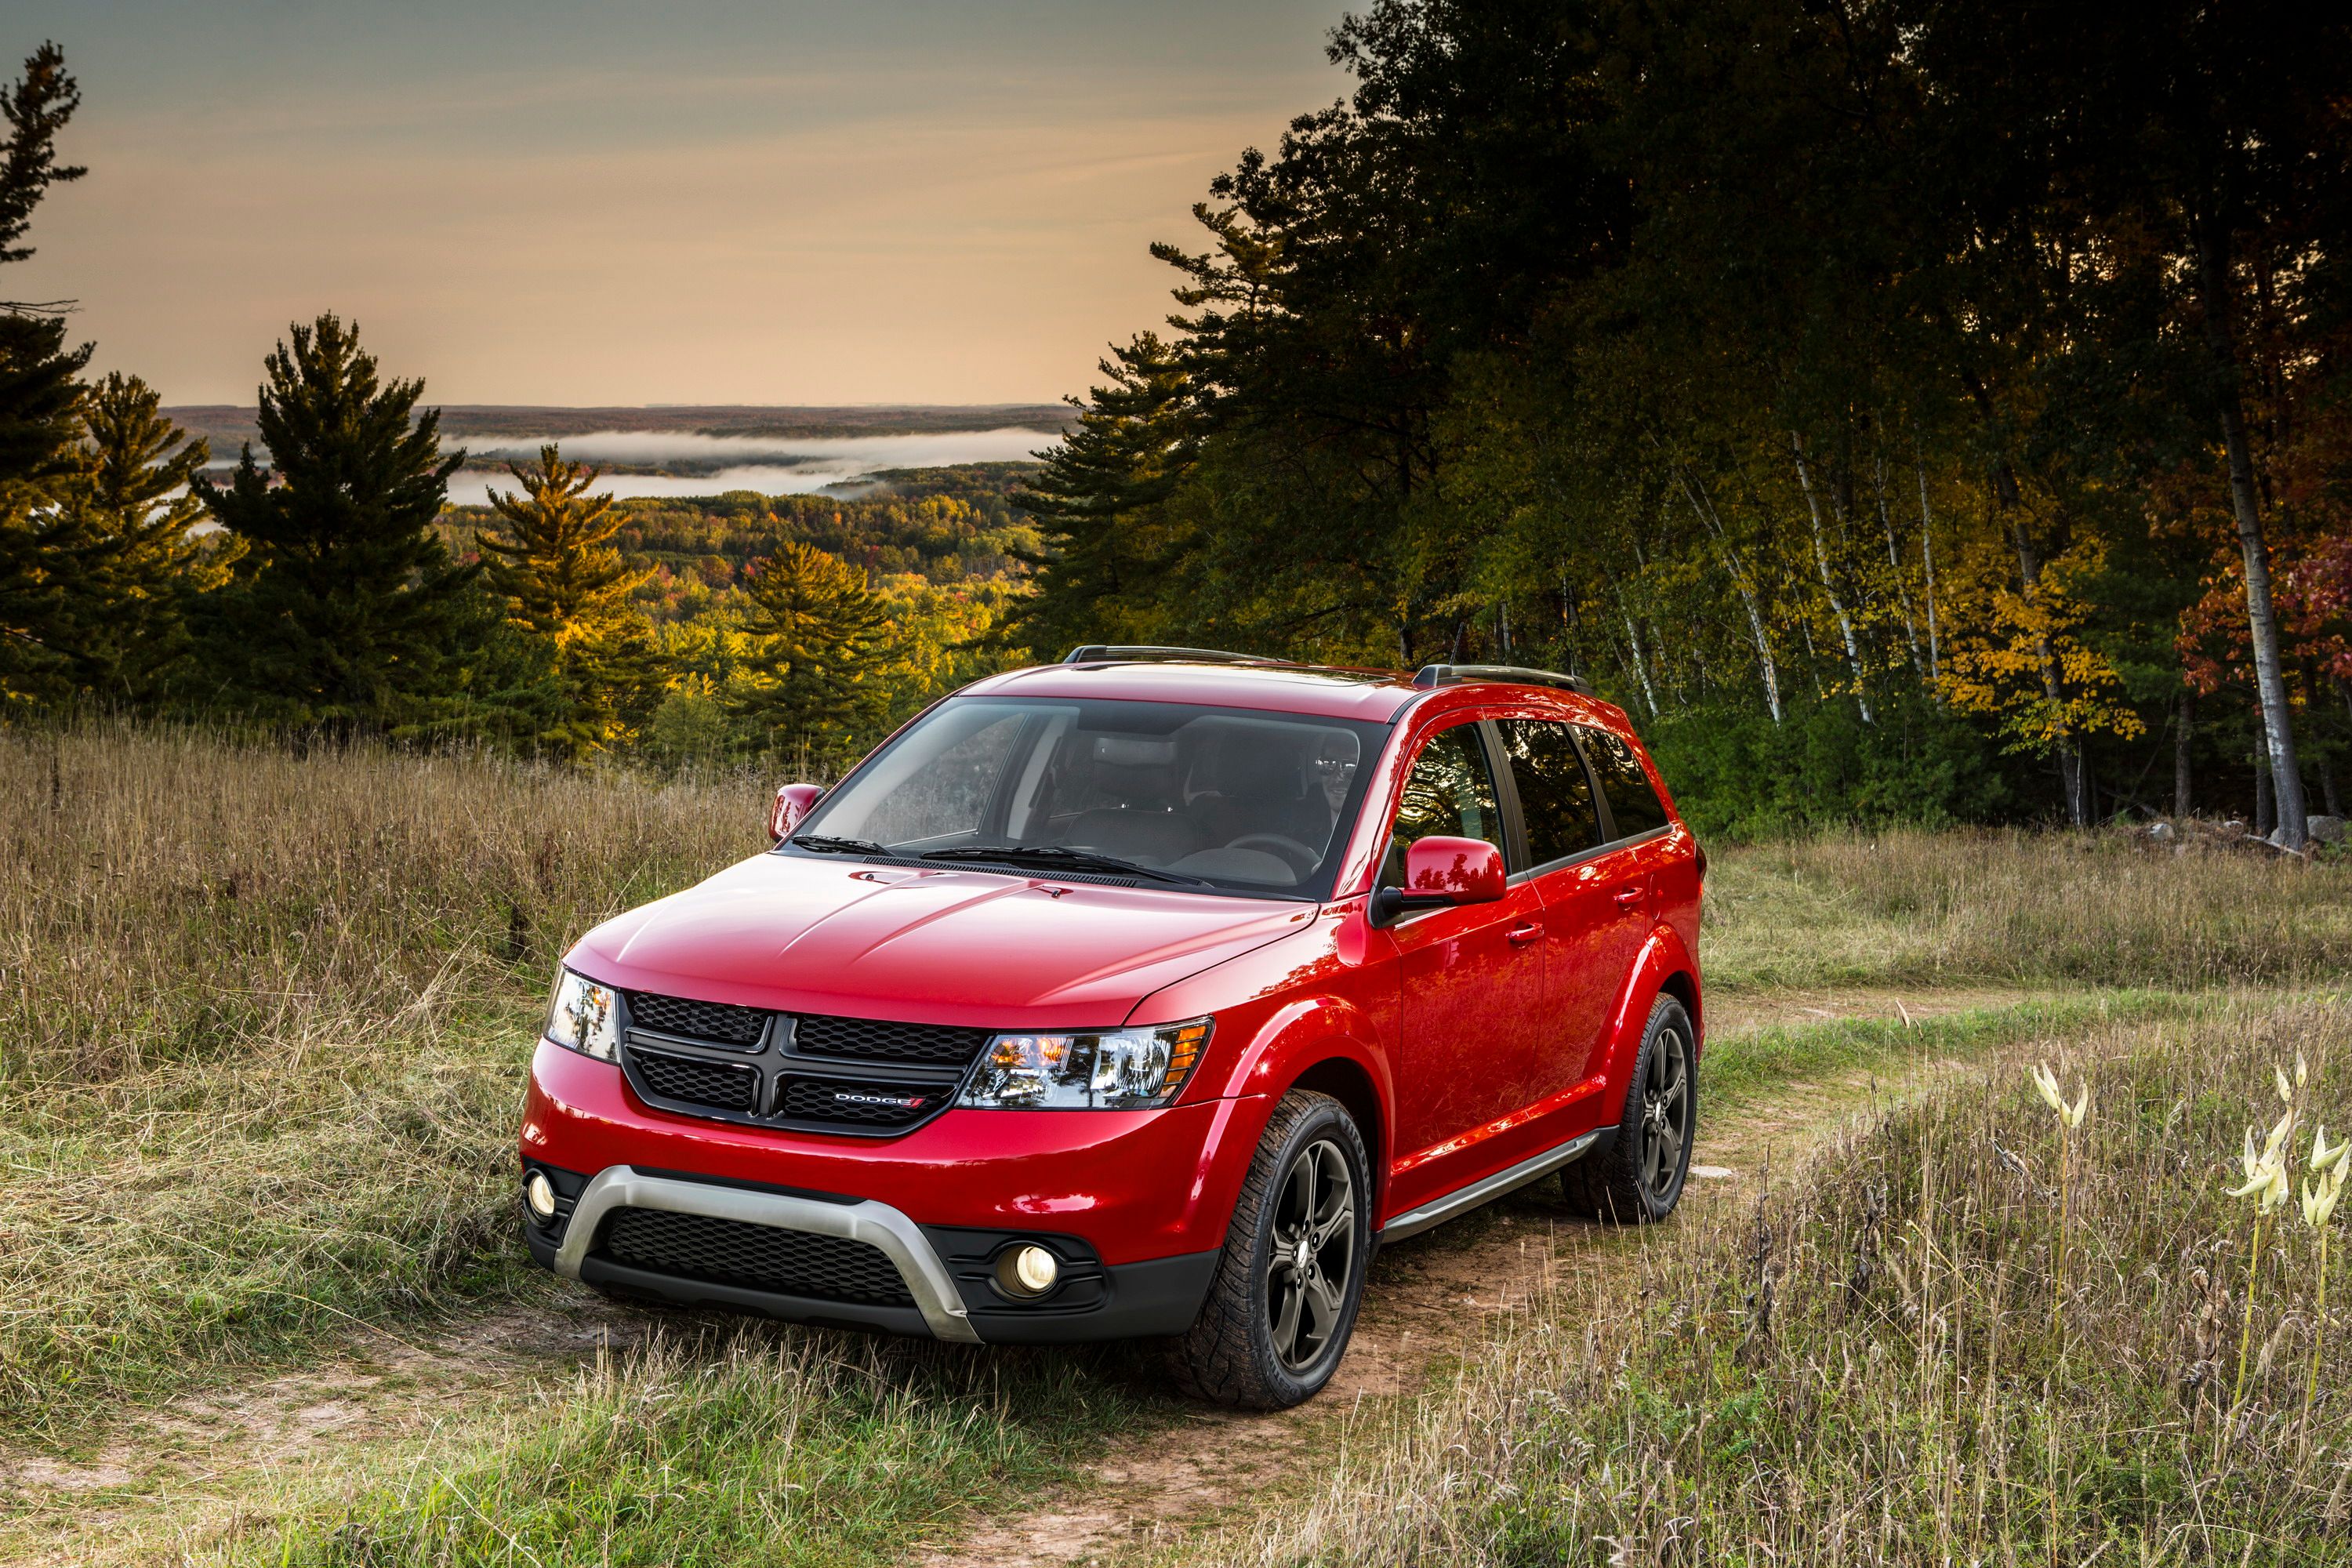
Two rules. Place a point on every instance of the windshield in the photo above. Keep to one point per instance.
(1239, 801)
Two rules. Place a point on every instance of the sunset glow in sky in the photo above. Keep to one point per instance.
(796, 201)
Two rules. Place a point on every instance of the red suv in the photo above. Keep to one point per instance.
(1141, 995)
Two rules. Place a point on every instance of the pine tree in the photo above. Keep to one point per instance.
(123, 518)
(1100, 504)
(346, 600)
(38, 390)
(562, 582)
(818, 632)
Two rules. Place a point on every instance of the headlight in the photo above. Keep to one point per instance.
(583, 1014)
(1122, 1069)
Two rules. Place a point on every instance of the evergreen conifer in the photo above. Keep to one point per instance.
(562, 582)
(818, 633)
(346, 600)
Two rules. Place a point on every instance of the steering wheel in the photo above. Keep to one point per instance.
(1300, 858)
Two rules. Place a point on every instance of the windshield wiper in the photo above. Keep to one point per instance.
(1057, 855)
(825, 844)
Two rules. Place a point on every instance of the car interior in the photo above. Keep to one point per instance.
(1225, 796)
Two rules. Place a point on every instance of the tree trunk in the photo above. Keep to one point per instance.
(2181, 739)
(1634, 640)
(1822, 559)
(2265, 810)
(2262, 621)
(1894, 565)
(1927, 559)
(1737, 571)
(2029, 576)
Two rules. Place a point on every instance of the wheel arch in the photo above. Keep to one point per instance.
(1665, 967)
(1345, 1079)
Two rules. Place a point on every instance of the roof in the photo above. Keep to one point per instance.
(1331, 692)
(1326, 691)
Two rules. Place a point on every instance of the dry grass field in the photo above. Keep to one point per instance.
(263, 1020)
(1882, 1358)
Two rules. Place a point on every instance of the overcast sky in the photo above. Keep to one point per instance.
(701, 201)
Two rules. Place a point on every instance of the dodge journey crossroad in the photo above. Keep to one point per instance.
(1139, 995)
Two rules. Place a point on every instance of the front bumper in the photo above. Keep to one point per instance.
(1130, 1185)
(1135, 1204)
(946, 1272)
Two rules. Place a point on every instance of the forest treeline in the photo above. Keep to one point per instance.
(1909, 412)
(327, 588)
(1906, 409)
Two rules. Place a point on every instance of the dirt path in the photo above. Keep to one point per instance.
(1429, 1298)
(193, 1459)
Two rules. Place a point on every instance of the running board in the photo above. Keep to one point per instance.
(1464, 1199)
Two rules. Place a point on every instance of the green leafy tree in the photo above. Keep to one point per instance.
(563, 583)
(346, 602)
(812, 689)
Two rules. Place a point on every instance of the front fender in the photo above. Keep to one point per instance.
(1664, 957)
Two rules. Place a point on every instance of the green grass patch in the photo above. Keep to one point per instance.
(1740, 1069)
(764, 1445)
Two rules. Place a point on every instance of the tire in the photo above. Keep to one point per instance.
(1279, 1312)
(1639, 1179)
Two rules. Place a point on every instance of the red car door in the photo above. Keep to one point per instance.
(1593, 924)
(1472, 978)
(1623, 876)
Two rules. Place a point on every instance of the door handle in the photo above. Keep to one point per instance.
(1628, 897)
(1519, 936)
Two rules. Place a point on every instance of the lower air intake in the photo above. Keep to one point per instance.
(759, 1257)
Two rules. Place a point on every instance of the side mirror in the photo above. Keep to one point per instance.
(794, 802)
(1440, 872)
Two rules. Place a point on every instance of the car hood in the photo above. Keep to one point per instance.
(799, 934)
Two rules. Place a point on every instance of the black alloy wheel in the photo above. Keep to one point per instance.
(1314, 1254)
(1639, 1178)
(1666, 1116)
(1284, 1301)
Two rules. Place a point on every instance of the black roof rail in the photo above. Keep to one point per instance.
(1432, 675)
(1097, 653)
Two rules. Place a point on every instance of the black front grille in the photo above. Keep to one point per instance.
(722, 1085)
(715, 1021)
(730, 1252)
(865, 1037)
(860, 1104)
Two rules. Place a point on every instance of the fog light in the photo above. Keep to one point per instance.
(1027, 1270)
(540, 1193)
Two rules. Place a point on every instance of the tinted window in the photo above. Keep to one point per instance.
(1555, 792)
(1450, 792)
(1632, 803)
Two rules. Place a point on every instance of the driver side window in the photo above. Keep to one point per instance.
(1451, 792)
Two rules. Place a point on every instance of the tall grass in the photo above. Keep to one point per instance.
(263, 1021)
(1951, 908)
(1860, 1365)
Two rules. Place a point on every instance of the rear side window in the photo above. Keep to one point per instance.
(1449, 792)
(1555, 792)
(1633, 804)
